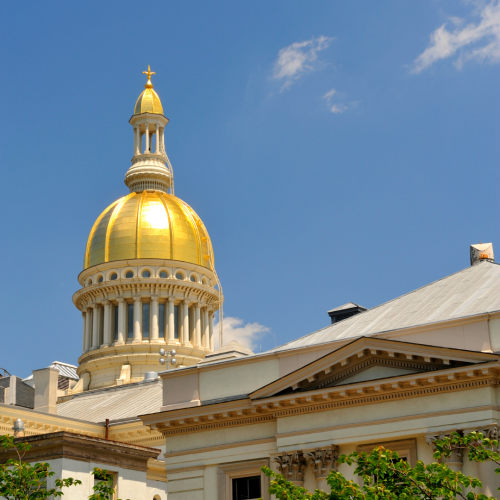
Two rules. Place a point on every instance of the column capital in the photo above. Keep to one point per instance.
(105, 302)
(95, 305)
(170, 298)
(323, 460)
(137, 298)
(292, 465)
(120, 300)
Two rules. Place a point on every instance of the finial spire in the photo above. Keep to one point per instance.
(149, 85)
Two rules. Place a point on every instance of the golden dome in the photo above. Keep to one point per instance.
(148, 101)
(149, 225)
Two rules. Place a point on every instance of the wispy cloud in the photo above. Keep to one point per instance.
(298, 58)
(248, 334)
(337, 107)
(479, 41)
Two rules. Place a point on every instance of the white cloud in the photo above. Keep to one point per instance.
(248, 334)
(298, 58)
(480, 42)
(337, 108)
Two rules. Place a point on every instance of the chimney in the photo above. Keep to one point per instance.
(46, 389)
(481, 252)
(345, 311)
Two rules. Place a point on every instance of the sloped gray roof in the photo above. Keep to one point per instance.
(472, 291)
(65, 370)
(125, 401)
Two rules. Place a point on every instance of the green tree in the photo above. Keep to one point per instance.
(386, 477)
(21, 480)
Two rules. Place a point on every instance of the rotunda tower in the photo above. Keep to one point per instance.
(148, 279)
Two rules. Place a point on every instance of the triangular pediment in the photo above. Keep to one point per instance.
(370, 359)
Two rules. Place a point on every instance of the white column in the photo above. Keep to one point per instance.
(137, 320)
(206, 330)
(170, 323)
(137, 140)
(211, 330)
(163, 139)
(84, 340)
(95, 326)
(185, 322)
(121, 321)
(106, 340)
(146, 148)
(154, 319)
(88, 329)
(197, 326)
(157, 143)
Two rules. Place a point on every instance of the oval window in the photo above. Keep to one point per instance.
(101, 279)
(163, 274)
(146, 274)
(129, 274)
(179, 276)
(192, 278)
(113, 277)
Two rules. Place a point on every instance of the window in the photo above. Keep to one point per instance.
(163, 274)
(146, 274)
(129, 274)
(100, 279)
(406, 449)
(89, 282)
(243, 481)
(113, 277)
(204, 281)
(161, 320)
(130, 321)
(145, 320)
(176, 322)
(179, 276)
(193, 279)
(246, 487)
(116, 323)
(111, 478)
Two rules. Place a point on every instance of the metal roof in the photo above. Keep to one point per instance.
(472, 291)
(122, 402)
(65, 370)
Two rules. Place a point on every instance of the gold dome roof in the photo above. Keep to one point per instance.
(149, 225)
(148, 101)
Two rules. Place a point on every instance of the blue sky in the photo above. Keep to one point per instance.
(336, 151)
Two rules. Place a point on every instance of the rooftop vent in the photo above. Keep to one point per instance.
(345, 311)
(480, 252)
(150, 376)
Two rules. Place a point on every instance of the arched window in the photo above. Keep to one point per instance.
(100, 279)
(163, 274)
(192, 278)
(113, 277)
(89, 282)
(146, 274)
(179, 276)
(129, 274)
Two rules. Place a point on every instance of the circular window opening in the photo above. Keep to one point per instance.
(163, 274)
(179, 276)
(113, 277)
(101, 279)
(192, 279)
(129, 274)
(146, 274)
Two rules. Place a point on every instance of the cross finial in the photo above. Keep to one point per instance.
(149, 85)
